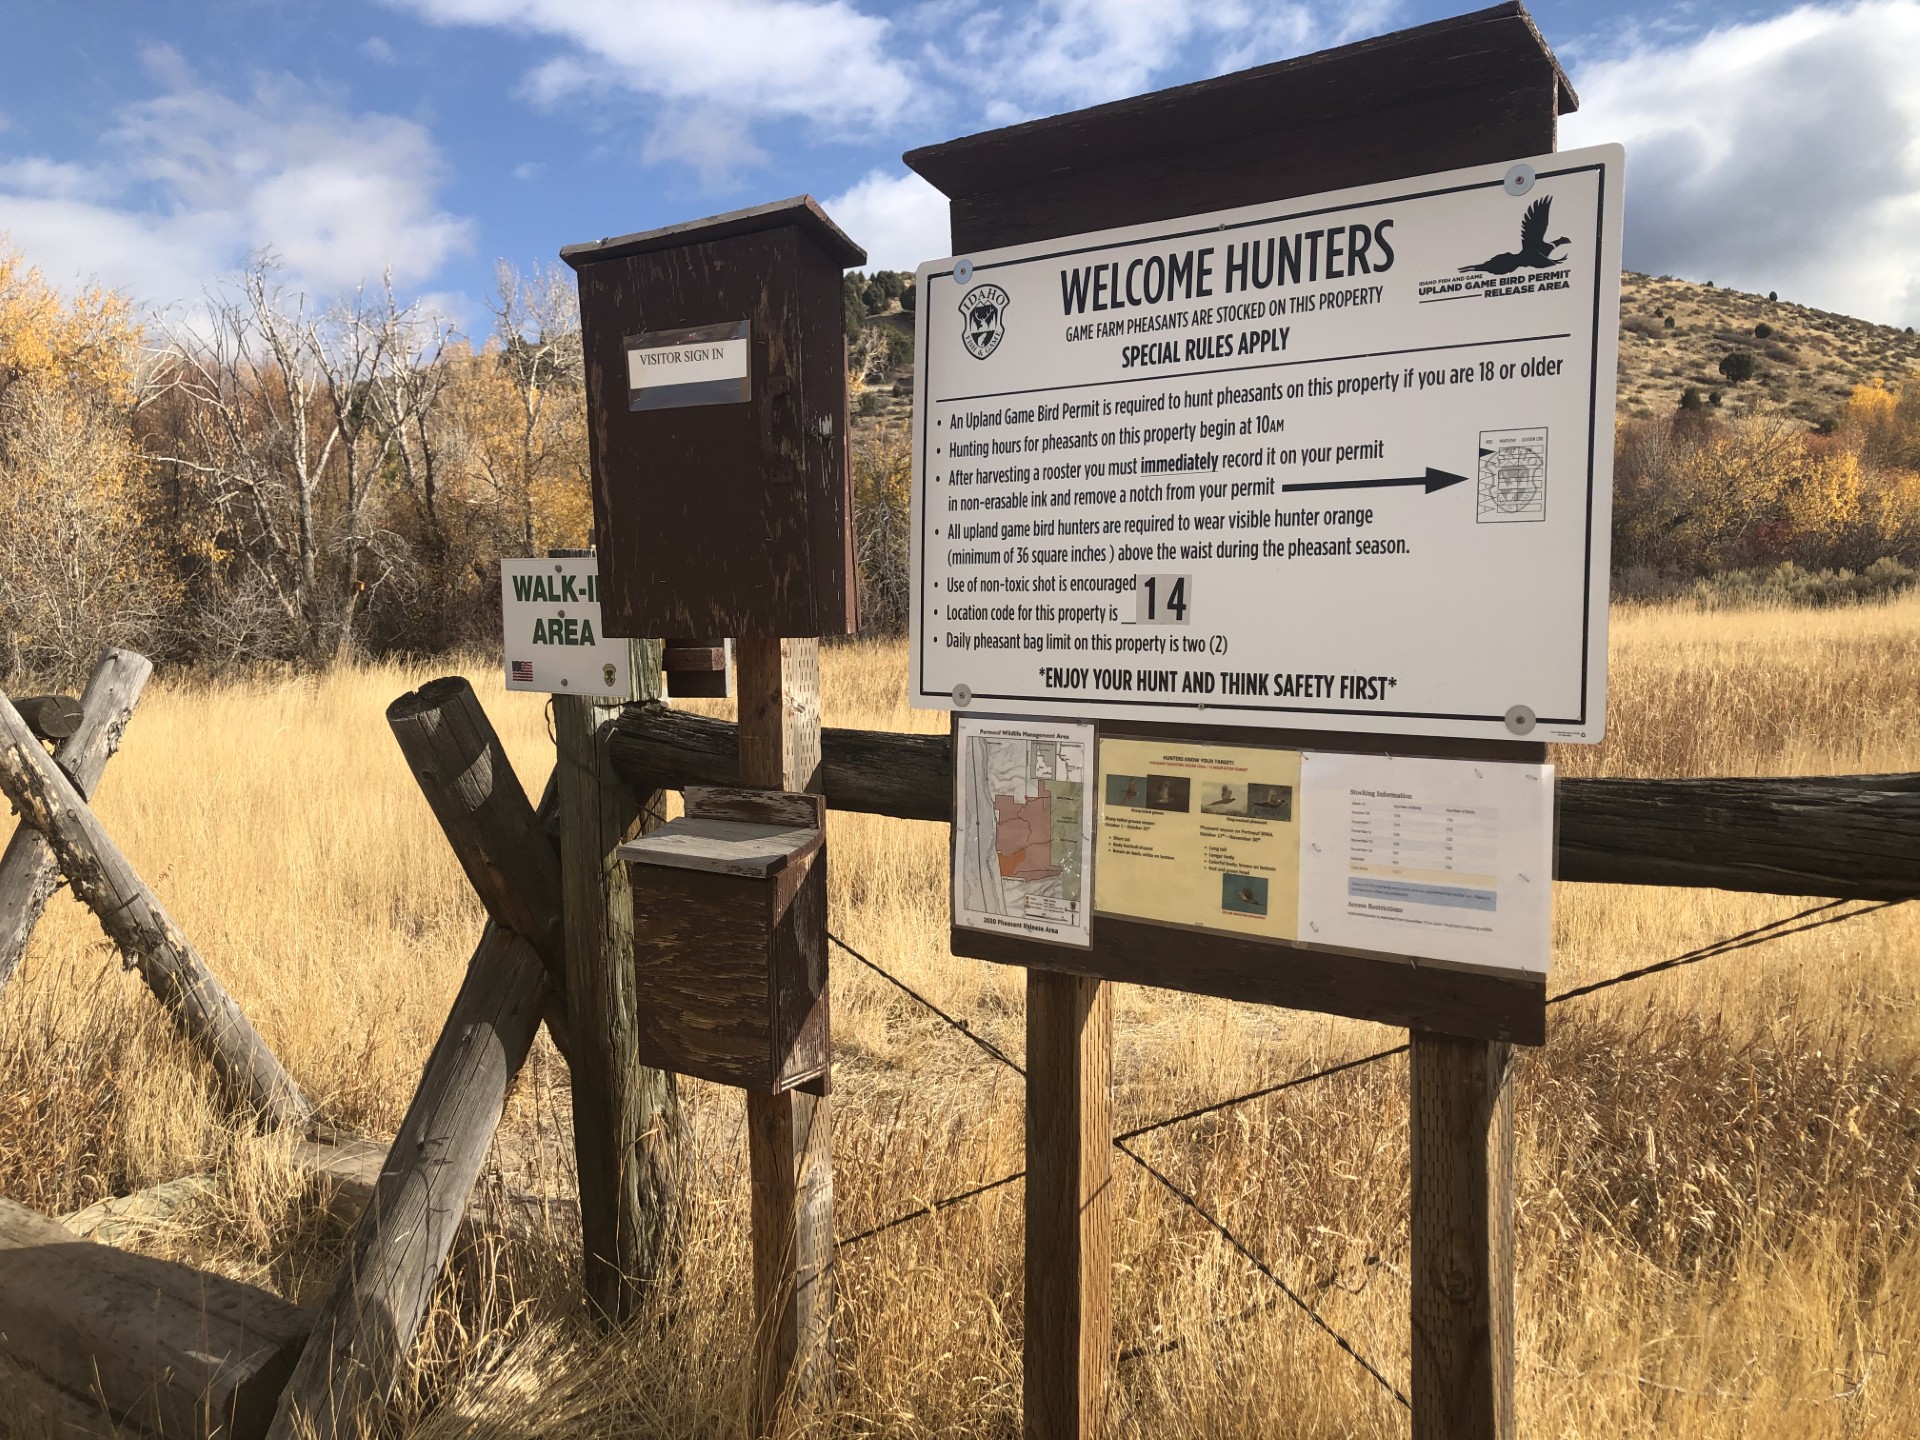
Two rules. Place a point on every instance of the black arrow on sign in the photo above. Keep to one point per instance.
(1433, 480)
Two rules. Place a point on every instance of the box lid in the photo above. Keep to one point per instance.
(722, 847)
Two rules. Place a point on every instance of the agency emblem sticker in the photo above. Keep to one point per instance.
(985, 309)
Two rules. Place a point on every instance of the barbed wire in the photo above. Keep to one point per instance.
(1814, 917)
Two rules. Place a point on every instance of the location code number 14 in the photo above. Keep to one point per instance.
(1163, 599)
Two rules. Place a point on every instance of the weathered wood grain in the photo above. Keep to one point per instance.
(139, 925)
(1068, 1345)
(789, 809)
(789, 1135)
(1845, 836)
(736, 518)
(173, 1349)
(506, 850)
(365, 1328)
(51, 717)
(367, 1325)
(628, 1132)
(720, 847)
(28, 871)
(1462, 1280)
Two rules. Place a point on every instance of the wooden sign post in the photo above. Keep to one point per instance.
(1478, 90)
(717, 394)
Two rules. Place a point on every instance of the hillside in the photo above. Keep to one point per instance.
(1673, 333)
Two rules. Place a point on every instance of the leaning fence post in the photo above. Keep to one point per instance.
(139, 925)
(1462, 1150)
(28, 871)
(789, 1136)
(626, 1116)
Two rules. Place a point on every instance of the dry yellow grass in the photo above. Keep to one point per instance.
(1718, 1166)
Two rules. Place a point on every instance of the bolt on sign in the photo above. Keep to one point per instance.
(551, 625)
(1342, 461)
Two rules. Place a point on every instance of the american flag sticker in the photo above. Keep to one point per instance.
(520, 672)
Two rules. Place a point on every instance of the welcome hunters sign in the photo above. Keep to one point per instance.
(1341, 461)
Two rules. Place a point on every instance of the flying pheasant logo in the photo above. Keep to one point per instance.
(1535, 252)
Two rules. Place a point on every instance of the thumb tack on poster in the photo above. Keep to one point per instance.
(963, 695)
(962, 271)
(1520, 179)
(1520, 720)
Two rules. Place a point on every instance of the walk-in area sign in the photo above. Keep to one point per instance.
(550, 623)
(1339, 462)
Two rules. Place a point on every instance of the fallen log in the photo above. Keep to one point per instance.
(147, 936)
(1853, 837)
(172, 1349)
(28, 871)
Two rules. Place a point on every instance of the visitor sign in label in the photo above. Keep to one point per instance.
(550, 621)
(1337, 462)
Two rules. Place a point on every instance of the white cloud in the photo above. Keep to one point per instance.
(899, 219)
(822, 60)
(378, 50)
(716, 142)
(192, 180)
(1779, 155)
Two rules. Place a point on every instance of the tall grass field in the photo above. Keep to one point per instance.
(1717, 1167)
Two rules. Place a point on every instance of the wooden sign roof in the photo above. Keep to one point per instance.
(802, 211)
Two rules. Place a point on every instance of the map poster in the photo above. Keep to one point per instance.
(1444, 859)
(1195, 834)
(1023, 830)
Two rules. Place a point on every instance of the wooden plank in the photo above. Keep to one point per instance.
(366, 1326)
(1462, 1143)
(51, 717)
(720, 847)
(1069, 1322)
(627, 1126)
(28, 871)
(1853, 837)
(787, 808)
(509, 857)
(790, 1135)
(168, 1347)
(135, 921)
(1481, 1003)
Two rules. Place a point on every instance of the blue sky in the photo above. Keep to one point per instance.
(153, 145)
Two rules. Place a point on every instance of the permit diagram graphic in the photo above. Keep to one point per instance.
(1020, 854)
(1513, 476)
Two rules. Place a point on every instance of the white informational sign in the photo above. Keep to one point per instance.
(550, 621)
(1023, 828)
(1339, 462)
(695, 365)
(1447, 859)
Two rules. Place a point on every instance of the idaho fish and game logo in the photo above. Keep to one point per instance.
(984, 310)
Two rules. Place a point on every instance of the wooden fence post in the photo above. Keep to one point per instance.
(626, 1116)
(789, 1136)
(1069, 1315)
(139, 925)
(365, 1328)
(1462, 1144)
(28, 871)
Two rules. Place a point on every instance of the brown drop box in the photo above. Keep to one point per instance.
(730, 940)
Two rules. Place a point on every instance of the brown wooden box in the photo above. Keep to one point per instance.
(730, 940)
(722, 508)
